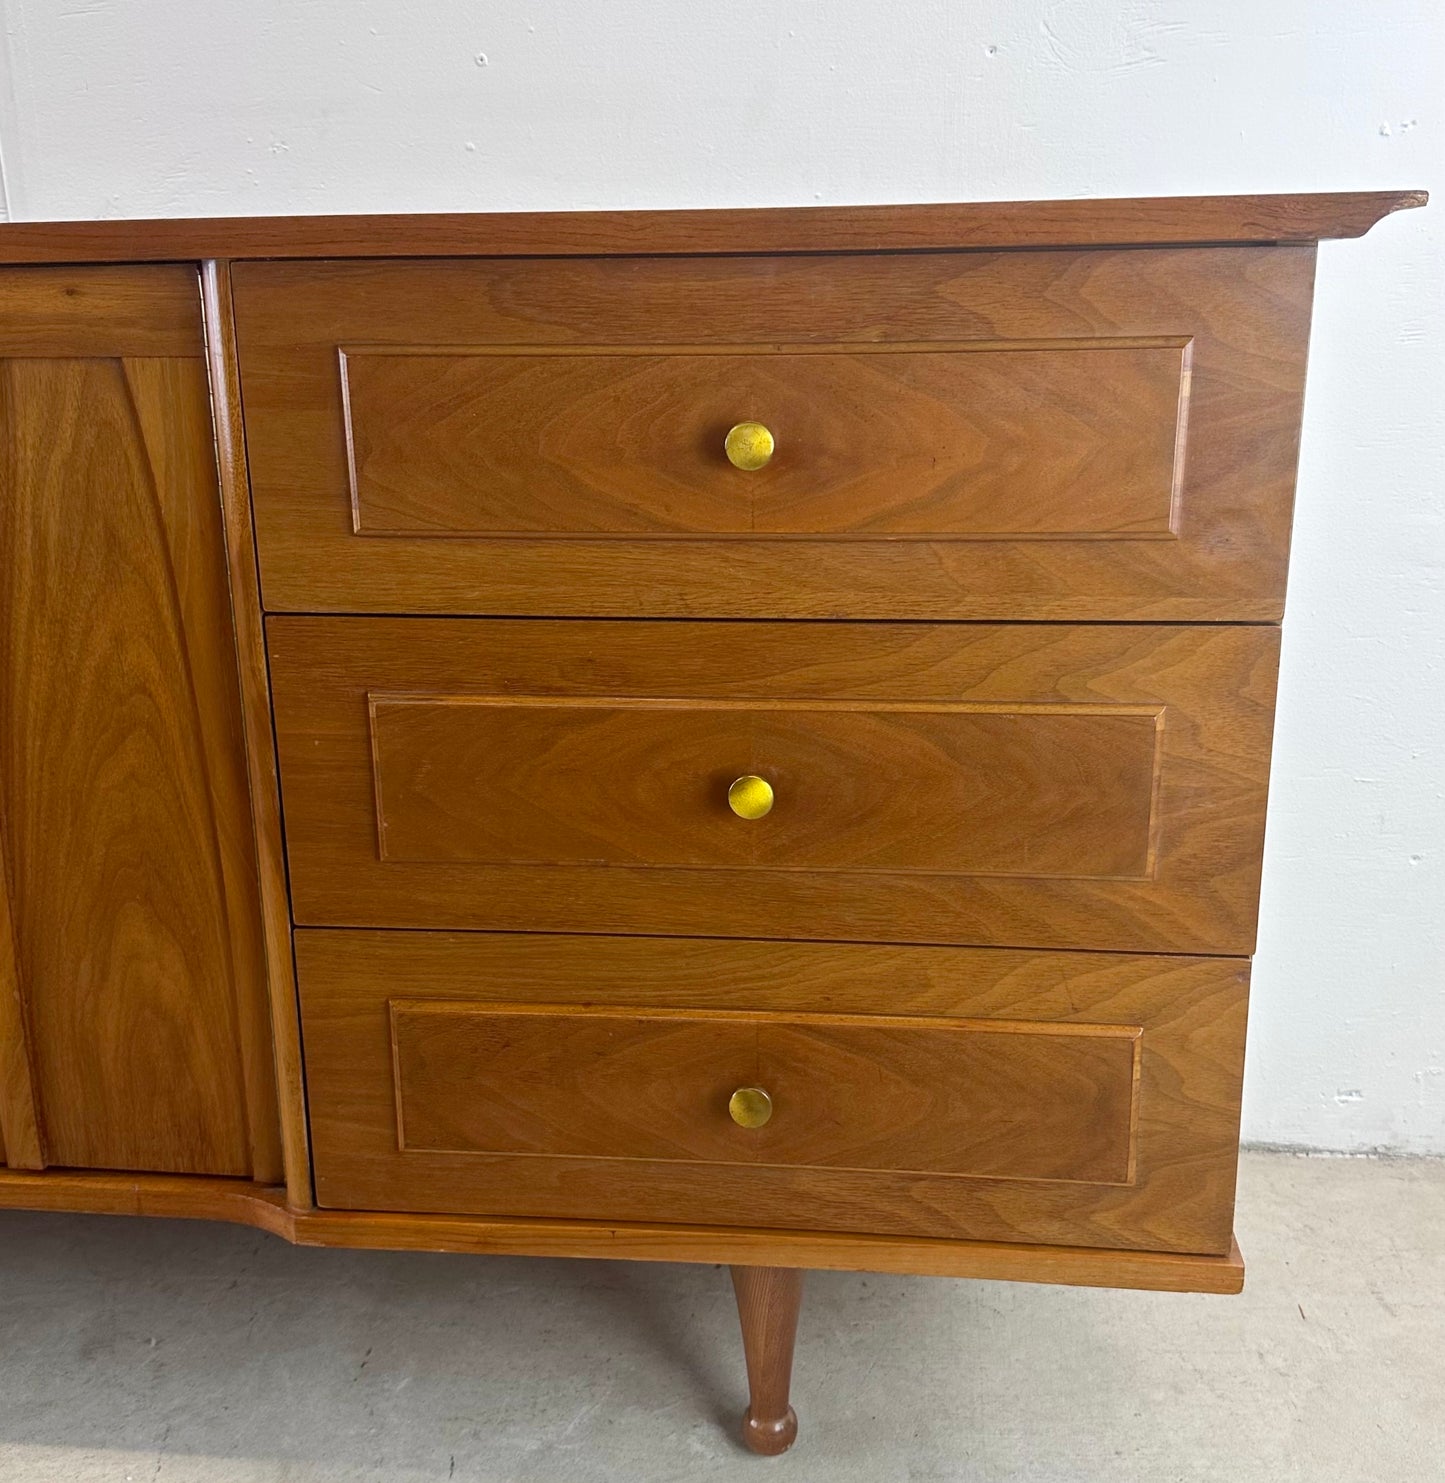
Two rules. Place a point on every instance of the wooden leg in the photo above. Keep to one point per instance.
(768, 1303)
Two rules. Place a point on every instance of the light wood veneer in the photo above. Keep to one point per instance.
(786, 229)
(133, 1027)
(1047, 435)
(917, 768)
(270, 1209)
(996, 624)
(936, 441)
(515, 1122)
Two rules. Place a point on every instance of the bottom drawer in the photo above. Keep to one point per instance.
(985, 1094)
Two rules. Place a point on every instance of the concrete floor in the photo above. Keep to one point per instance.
(135, 1350)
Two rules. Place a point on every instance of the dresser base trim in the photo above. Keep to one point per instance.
(195, 1198)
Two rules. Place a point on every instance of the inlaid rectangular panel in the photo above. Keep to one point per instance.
(933, 1096)
(1089, 1098)
(1046, 790)
(1027, 785)
(939, 442)
(1074, 435)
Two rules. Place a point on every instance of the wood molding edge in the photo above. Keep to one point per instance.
(265, 1207)
(177, 1196)
(243, 575)
(1155, 221)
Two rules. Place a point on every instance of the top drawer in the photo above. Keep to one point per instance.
(1056, 435)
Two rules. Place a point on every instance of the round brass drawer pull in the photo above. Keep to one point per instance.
(750, 797)
(749, 446)
(750, 1107)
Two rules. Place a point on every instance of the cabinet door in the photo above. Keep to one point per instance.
(133, 1026)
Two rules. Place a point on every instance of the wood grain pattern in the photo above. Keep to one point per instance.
(127, 833)
(939, 442)
(173, 417)
(936, 1096)
(1199, 894)
(82, 312)
(944, 788)
(280, 1045)
(1217, 551)
(1260, 218)
(198, 1198)
(769, 1299)
(1191, 1011)
(21, 1143)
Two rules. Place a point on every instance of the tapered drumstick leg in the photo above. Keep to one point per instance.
(768, 1303)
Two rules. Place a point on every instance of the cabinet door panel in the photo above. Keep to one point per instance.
(136, 1004)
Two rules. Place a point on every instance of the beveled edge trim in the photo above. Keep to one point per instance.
(1142, 221)
(264, 1207)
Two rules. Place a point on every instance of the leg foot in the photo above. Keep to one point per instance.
(768, 1303)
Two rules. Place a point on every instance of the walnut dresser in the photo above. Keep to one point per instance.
(711, 736)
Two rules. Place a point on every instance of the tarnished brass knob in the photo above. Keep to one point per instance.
(749, 445)
(750, 1107)
(750, 797)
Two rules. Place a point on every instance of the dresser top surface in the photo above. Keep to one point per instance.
(978, 226)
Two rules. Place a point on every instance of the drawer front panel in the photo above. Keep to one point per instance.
(848, 1092)
(1017, 785)
(1107, 434)
(1060, 792)
(936, 1091)
(884, 441)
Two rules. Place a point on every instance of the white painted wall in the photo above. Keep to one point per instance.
(176, 108)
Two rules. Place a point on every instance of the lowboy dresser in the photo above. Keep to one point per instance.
(711, 736)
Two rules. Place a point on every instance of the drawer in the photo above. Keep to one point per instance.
(1085, 435)
(1018, 785)
(932, 1091)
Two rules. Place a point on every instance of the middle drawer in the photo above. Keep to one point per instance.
(1021, 784)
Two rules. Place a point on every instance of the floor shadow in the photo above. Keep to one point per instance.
(214, 1340)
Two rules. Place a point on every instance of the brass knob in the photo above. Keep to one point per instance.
(750, 1107)
(749, 445)
(750, 797)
